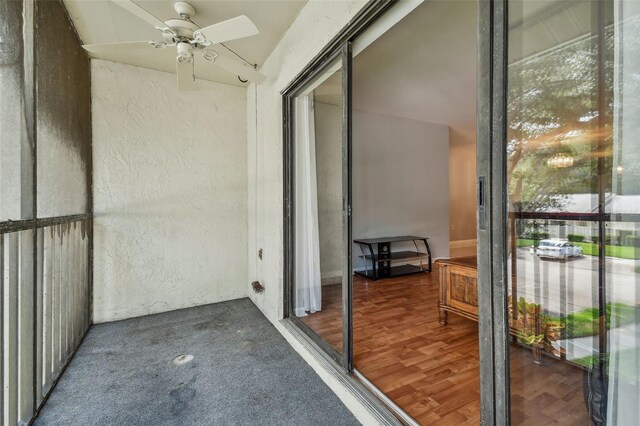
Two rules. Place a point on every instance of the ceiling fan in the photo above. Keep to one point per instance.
(189, 39)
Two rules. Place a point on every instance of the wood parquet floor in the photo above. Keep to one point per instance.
(431, 371)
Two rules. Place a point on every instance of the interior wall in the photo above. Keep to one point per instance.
(170, 192)
(462, 193)
(400, 180)
(424, 68)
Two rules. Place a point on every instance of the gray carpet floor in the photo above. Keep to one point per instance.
(243, 372)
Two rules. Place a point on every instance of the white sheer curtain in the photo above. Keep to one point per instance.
(307, 264)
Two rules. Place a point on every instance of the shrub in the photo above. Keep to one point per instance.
(595, 239)
(538, 235)
(575, 238)
(632, 241)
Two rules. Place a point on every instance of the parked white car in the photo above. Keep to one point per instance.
(557, 249)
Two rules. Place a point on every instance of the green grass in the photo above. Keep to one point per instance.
(589, 361)
(591, 249)
(622, 252)
(626, 362)
(586, 322)
(521, 242)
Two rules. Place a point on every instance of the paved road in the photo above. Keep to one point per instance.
(572, 285)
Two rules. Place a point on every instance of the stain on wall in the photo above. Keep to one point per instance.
(63, 122)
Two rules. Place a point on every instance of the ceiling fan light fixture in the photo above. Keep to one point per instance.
(209, 55)
(201, 39)
(560, 161)
(185, 52)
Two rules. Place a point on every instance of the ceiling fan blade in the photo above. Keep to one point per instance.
(184, 71)
(243, 71)
(238, 27)
(134, 9)
(117, 47)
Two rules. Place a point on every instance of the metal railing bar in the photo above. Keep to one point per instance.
(26, 318)
(59, 375)
(49, 256)
(58, 220)
(11, 275)
(66, 240)
(26, 224)
(55, 346)
(2, 384)
(587, 217)
(17, 225)
(39, 316)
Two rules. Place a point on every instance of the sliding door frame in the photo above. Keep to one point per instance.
(492, 198)
(339, 46)
(492, 211)
(347, 231)
(289, 215)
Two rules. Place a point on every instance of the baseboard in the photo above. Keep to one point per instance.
(458, 244)
(330, 278)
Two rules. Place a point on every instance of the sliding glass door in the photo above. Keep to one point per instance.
(320, 214)
(560, 202)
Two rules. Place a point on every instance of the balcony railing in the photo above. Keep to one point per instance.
(45, 284)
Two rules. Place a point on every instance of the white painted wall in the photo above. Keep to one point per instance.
(431, 78)
(400, 180)
(170, 192)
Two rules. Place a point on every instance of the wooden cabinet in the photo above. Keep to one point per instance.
(458, 288)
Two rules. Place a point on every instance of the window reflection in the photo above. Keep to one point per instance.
(574, 198)
(319, 243)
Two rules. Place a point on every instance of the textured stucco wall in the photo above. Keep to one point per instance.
(170, 192)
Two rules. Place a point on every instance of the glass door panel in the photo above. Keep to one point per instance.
(319, 278)
(573, 173)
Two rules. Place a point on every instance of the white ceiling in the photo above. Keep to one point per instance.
(101, 21)
(423, 68)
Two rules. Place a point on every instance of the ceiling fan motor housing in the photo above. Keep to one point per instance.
(180, 29)
(184, 9)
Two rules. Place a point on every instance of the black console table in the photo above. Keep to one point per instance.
(379, 259)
